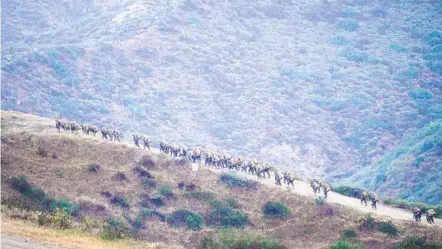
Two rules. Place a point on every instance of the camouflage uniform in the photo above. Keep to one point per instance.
(364, 196)
(315, 186)
(326, 189)
(430, 216)
(374, 200)
(417, 214)
(104, 133)
(277, 178)
(58, 124)
(136, 139)
(146, 143)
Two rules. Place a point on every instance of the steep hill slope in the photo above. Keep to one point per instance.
(412, 171)
(324, 88)
(66, 176)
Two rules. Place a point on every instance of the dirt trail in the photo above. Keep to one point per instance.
(13, 242)
(304, 189)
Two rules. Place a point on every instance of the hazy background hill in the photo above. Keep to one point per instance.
(349, 91)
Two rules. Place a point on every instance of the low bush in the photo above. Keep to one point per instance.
(342, 244)
(157, 200)
(54, 155)
(37, 197)
(357, 56)
(20, 184)
(187, 186)
(120, 201)
(142, 172)
(275, 210)
(233, 203)
(145, 212)
(226, 217)
(147, 162)
(106, 194)
(235, 181)
(43, 219)
(348, 234)
(202, 196)
(417, 243)
(115, 229)
(120, 176)
(61, 218)
(149, 183)
(349, 191)
(387, 227)
(42, 152)
(93, 167)
(348, 25)
(184, 217)
(165, 191)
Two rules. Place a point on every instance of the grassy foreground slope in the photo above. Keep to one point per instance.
(324, 88)
(63, 173)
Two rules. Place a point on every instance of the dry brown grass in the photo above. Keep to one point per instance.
(72, 238)
(68, 178)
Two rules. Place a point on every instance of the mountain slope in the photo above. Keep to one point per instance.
(323, 88)
(67, 177)
(415, 166)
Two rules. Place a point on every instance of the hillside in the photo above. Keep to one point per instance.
(63, 173)
(325, 88)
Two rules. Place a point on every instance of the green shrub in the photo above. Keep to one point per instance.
(93, 167)
(348, 234)
(340, 40)
(427, 145)
(226, 217)
(165, 191)
(235, 181)
(348, 25)
(398, 48)
(138, 223)
(20, 184)
(388, 228)
(356, 56)
(39, 197)
(61, 218)
(416, 243)
(184, 217)
(208, 243)
(43, 219)
(115, 229)
(275, 210)
(342, 244)
(369, 223)
(349, 191)
(420, 93)
(157, 200)
(145, 212)
(149, 183)
(119, 201)
(233, 203)
(202, 196)
(120, 176)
